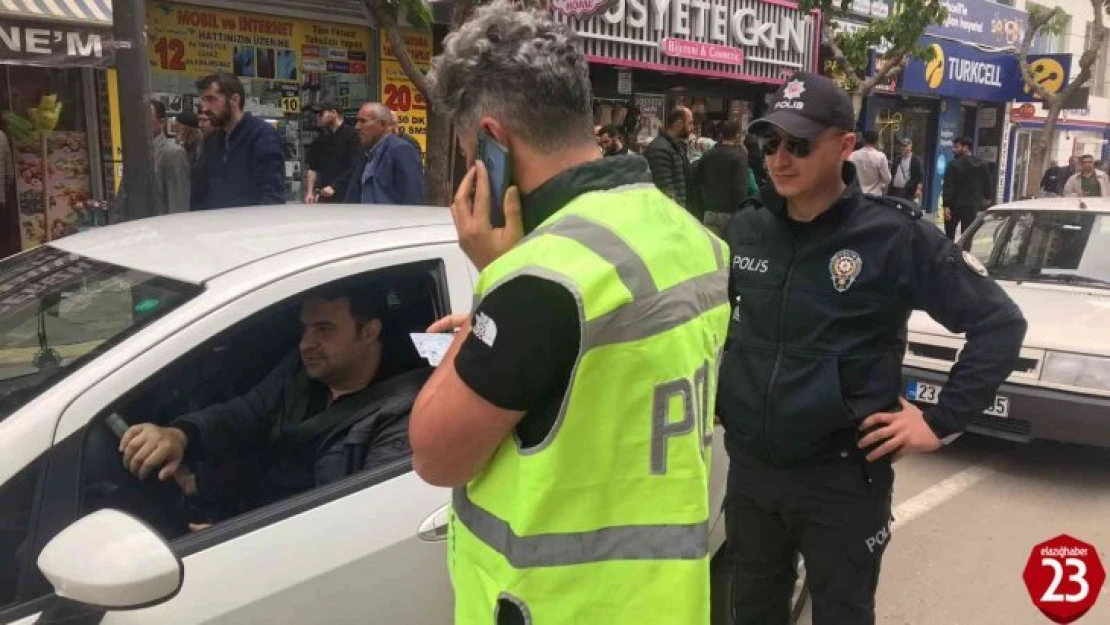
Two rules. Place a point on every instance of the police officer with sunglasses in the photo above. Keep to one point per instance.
(823, 280)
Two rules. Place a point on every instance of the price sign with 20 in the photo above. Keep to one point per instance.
(403, 98)
(1064, 577)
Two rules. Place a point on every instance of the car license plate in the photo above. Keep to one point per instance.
(930, 394)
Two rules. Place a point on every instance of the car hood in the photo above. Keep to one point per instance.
(1062, 318)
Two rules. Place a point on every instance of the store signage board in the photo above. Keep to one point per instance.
(982, 22)
(962, 71)
(35, 42)
(761, 41)
(398, 93)
(197, 40)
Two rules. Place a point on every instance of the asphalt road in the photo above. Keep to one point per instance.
(966, 519)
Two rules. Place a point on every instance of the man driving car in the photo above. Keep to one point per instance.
(295, 424)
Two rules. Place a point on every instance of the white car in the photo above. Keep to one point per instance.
(152, 318)
(1052, 256)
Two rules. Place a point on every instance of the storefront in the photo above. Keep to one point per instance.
(961, 92)
(50, 56)
(286, 63)
(721, 58)
(1078, 132)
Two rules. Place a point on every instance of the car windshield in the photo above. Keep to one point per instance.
(59, 310)
(1057, 247)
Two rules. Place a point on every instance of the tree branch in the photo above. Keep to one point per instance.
(892, 66)
(838, 53)
(1037, 21)
(387, 24)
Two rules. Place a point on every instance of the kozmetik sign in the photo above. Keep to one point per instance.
(762, 40)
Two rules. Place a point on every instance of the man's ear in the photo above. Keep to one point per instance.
(373, 330)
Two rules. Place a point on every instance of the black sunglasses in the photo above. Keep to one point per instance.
(795, 146)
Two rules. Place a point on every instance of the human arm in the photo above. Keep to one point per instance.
(269, 167)
(508, 365)
(1073, 188)
(662, 167)
(949, 191)
(951, 291)
(310, 186)
(884, 169)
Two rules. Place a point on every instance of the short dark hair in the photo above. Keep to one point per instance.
(729, 129)
(366, 303)
(870, 137)
(677, 114)
(1086, 157)
(159, 109)
(612, 131)
(227, 84)
(966, 142)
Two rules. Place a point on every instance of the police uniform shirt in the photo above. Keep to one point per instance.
(525, 333)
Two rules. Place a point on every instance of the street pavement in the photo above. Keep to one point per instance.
(966, 519)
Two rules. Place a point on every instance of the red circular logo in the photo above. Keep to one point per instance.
(1064, 577)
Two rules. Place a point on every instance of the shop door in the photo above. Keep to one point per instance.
(1023, 151)
(895, 121)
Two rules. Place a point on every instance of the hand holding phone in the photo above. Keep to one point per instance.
(483, 237)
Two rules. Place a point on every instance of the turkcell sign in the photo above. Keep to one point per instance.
(962, 71)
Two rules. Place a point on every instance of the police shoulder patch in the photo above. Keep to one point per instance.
(905, 207)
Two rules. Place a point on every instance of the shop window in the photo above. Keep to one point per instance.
(1100, 76)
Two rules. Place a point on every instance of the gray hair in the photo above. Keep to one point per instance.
(521, 67)
(380, 112)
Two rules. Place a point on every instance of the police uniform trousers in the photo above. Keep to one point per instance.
(836, 514)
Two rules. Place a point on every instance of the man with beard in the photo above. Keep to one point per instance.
(967, 188)
(243, 163)
(670, 165)
(284, 430)
(612, 142)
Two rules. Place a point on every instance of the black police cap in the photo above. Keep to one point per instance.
(805, 106)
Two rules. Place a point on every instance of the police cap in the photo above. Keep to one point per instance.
(807, 105)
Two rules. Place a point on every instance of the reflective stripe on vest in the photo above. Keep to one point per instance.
(631, 542)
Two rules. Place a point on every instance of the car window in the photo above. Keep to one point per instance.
(16, 503)
(271, 429)
(1071, 247)
(59, 309)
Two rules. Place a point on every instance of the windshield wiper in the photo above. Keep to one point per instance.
(1068, 278)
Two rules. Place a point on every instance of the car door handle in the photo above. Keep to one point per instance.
(434, 528)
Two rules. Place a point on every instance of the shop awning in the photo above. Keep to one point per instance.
(86, 12)
(57, 33)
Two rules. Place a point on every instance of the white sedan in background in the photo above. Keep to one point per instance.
(150, 319)
(1052, 256)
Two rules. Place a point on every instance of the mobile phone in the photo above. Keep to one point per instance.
(500, 170)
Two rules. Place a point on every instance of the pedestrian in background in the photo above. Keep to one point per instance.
(872, 166)
(719, 184)
(331, 157)
(967, 188)
(581, 483)
(171, 186)
(667, 157)
(191, 138)
(823, 279)
(243, 162)
(1089, 181)
(1054, 179)
(907, 173)
(612, 141)
(387, 168)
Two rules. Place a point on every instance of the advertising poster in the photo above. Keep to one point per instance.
(65, 181)
(399, 94)
(651, 116)
(198, 40)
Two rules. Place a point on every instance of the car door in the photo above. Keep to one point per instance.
(369, 548)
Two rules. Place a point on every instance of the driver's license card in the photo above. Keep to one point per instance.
(432, 347)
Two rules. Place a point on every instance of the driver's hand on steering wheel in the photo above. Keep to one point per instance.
(146, 446)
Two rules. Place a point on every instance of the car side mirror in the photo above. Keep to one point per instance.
(113, 561)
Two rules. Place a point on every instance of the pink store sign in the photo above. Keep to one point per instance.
(698, 51)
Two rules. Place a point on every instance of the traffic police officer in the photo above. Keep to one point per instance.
(823, 280)
(571, 413)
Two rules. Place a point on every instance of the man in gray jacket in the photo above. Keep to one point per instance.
(171, 174)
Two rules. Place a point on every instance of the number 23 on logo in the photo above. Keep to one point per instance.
(1064, 577)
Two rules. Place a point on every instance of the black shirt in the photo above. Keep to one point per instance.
(331, 156)
(720, 180)
(527, 334)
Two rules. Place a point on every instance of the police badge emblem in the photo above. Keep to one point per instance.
(844, 267)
